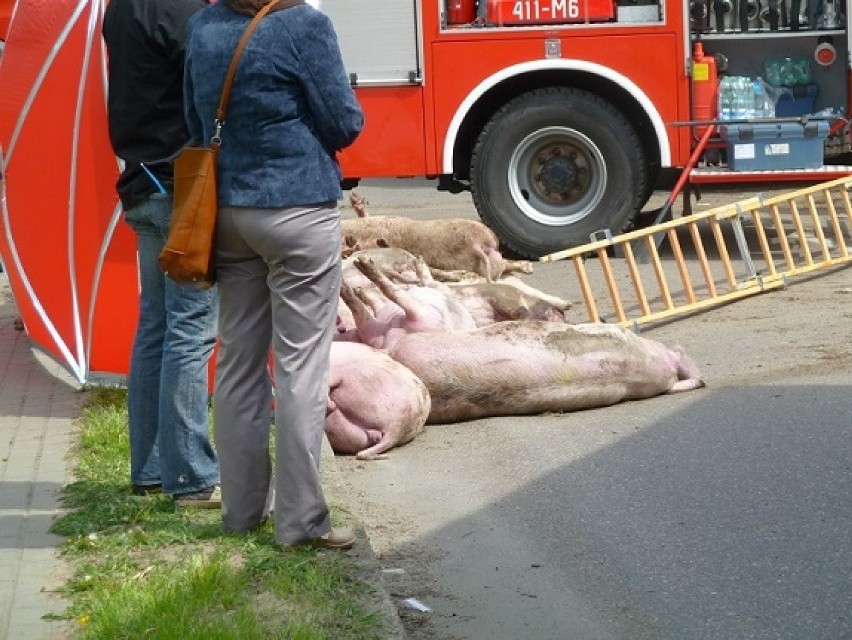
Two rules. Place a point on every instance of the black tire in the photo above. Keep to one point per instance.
(553, 166)
(652, 178)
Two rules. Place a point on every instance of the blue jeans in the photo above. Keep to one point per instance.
(167, 389)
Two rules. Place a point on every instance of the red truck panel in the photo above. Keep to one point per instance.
(393, 138)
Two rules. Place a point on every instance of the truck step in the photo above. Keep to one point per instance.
(710, 175)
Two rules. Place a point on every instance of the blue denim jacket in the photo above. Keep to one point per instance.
(291, 106)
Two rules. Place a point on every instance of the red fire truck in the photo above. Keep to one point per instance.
(5, 15)
(561, 116)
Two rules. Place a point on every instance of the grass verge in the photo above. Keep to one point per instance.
(142, 569)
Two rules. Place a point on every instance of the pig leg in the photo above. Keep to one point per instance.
(409, 416)
(349, 246)
(686, 385)
(356, 305)
(687, 372)
(402, 278)
(367, 301)
(423, 272)
(523, 287)
(524, 266)
(388, 289)
(359, 204)
(371, 297)
(387, 440)
(418, 278)
(483, 263)
(365, 323)
(344, 436)
(456, 275)
(345, 321)
(374, 403)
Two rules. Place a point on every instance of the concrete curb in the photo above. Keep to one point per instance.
(369, 570)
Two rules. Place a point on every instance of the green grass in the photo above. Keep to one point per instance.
(142, 569)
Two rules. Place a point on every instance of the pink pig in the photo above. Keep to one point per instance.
(530, 366)
(384, 313)
(374, 403)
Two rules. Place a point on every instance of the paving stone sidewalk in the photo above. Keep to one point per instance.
(39, 402)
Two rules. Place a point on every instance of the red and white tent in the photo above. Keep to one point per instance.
(70, 259)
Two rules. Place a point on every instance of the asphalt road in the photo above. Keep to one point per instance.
(721, 513)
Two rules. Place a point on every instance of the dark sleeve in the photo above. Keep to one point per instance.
(336, 112)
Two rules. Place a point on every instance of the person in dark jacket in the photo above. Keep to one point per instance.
(278, 252)
(170, 448)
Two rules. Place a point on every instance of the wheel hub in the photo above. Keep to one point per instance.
(557, 174)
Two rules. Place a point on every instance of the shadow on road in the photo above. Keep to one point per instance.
(729, 519)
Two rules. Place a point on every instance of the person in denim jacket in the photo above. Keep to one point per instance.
(168, 385)
(278, 252)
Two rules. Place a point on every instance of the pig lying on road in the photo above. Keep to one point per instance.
(529, 367)
(404, 267)
(374, 403)
(383, 315)
(374, 309)
(447, 244)
(507, 299)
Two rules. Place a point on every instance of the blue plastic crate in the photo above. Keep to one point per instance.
(782, 145)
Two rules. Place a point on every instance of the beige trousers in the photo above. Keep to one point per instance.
(278, 274)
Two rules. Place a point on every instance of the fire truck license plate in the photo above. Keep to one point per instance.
(549, 11)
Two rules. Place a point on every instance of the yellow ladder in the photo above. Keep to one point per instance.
(713, 257)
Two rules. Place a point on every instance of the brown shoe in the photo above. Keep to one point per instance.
(209, 498)
(337, 538)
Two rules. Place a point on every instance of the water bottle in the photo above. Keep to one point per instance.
(763, 107)
(735, 100)
(726, 99)
(748, 98)
(743, 99)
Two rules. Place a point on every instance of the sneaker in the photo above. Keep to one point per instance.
(209, 498)
(146, 489)
(337, 538)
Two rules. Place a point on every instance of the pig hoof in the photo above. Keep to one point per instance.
(687, 385)
(361, 455)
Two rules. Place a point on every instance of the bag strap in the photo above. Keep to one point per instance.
(216, 140)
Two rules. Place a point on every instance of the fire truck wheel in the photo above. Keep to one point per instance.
(555, 165)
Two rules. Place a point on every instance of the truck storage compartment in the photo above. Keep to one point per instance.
(782, 145)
